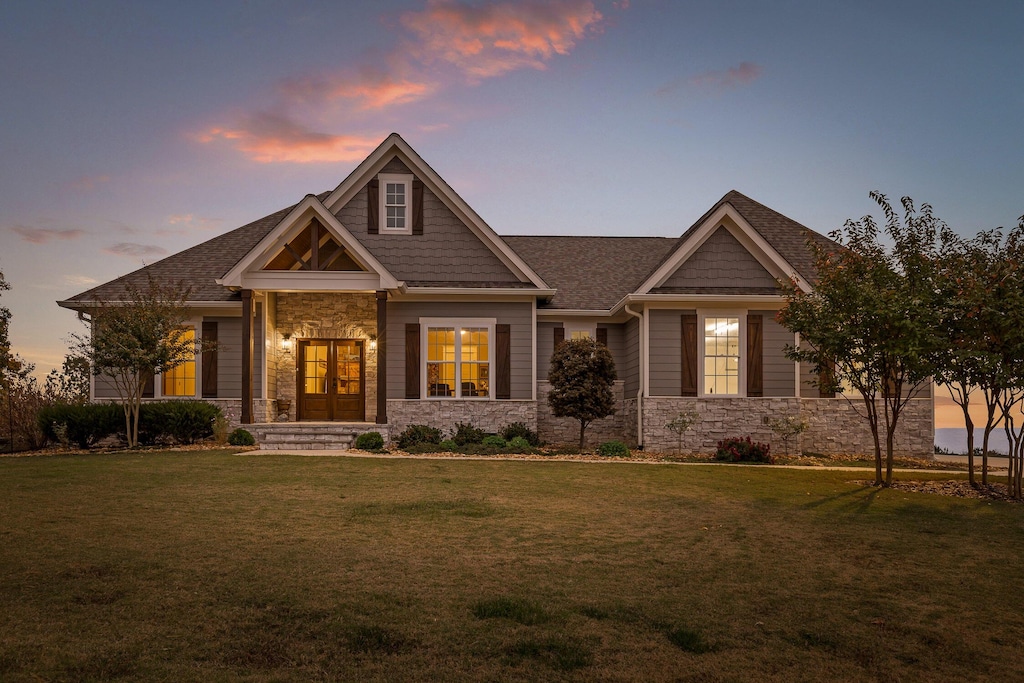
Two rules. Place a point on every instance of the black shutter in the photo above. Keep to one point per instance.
(417, 207)
(825, 380)
(688, 366)
(559, 336)
(602, 335)
(412, 360)
(210, 360)
(147, 387)
(372, 207)
(755, 355)
(503, 361)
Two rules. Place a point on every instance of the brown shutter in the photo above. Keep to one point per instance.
(147, 388)
(372, 207)
(559, 336)
(417, 207)
(825, 380)
(210, 360)
(412, 360)
(602, 335)
(755, 355)
(688, 366)
(503, 361)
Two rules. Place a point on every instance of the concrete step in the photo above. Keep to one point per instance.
(311, 436)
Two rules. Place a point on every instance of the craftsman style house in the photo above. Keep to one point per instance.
(389, 301)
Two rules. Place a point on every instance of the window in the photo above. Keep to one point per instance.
(181, 380)
(580, 331)
(458, 358)
(721, 355)
(395, 203)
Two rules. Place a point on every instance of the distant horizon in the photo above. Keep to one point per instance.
(954, 440)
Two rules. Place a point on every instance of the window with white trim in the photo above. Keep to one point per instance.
(577, 331)
(181, 379)
(459, 357)
(721, 355)
(395, 203)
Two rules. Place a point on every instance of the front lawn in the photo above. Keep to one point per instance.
(213, 566)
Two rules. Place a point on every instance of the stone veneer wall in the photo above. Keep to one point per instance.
(566, 430)
(312, 315)
(834, 425)
(489, 416)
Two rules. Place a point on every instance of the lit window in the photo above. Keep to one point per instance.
(722, 356)
(458, 360)
(580, 331)
(395, 202)
(181, 380)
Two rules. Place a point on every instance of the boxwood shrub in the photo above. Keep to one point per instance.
(613, 449)
(418, 435)
(81, 425)
(370, 441)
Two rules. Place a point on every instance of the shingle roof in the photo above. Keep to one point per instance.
(198, 266)
(590, 273)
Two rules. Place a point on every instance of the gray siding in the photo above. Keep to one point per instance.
(630, 373)
(519, 315)
(666, 352)
(779, 373)
(447, 251)
(721, 262)
(229, 357)
(545, 347)
(617, 346)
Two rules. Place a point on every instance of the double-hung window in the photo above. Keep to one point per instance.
(721, 355)
(181, 379)
(459, 358)
(395, 203)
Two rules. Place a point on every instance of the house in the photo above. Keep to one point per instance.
(390, 301)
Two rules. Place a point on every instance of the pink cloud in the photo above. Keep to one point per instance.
(744, 74)
(488, 40)
(135, 250)
(268, 138)
(371, 90)
(45, 235)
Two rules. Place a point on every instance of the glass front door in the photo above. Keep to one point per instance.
(331, 383)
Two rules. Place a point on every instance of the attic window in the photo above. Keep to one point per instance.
(395, 203)
(314, 248)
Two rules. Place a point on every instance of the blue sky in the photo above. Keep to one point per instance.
(131, 130)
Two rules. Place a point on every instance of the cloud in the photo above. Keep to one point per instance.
(268, 138)
(186, 223)
(45, 235)
(135, 250)
(80, 280)
(447, 44)
(743, 74)
(88, 182)
(492, 39)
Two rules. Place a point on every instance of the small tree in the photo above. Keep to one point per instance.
(137, 337)
(871, 320)
(71, 383)
(787, 427)
(680, 424)
(582, 375)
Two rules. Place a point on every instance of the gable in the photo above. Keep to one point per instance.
(448, 252)
(720, 262)
(313, 248)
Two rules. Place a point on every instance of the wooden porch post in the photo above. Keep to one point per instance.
(382, 358)
(247, 354)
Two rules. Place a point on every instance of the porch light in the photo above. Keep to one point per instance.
(373, 343)
(286, 342)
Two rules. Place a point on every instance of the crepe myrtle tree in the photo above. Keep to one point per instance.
(870, 321)
(582, 375)
(140, 335)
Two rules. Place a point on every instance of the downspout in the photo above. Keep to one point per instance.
(640, 391)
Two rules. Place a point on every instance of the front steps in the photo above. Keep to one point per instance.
(309, 436)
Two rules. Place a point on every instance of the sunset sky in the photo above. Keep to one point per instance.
(132, 130)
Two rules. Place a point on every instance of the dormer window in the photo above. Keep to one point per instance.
(395, 203)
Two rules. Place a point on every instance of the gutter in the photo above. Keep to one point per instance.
(640, 391)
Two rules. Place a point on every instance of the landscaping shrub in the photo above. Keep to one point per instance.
(448, 446)
(81, 425)
(743, 450)
(467, 433)
(418, 435)
(519, 429)
(370, 441)
(494, 440)
(520, 444)
(183, 422)
(241, 437)
(613, 449)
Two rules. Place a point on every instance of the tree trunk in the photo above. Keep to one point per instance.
(970, 444)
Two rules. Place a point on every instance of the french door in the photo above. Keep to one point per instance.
(331, 382)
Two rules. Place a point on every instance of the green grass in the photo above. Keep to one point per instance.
(217, 567)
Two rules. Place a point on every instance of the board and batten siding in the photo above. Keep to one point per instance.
(630, 373)
(666, 351)
(779, 371)
(518, 315)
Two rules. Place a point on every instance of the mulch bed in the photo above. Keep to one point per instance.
(957, 488)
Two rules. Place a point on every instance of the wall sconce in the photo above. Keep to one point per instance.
(286, 342)
(373, 342)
